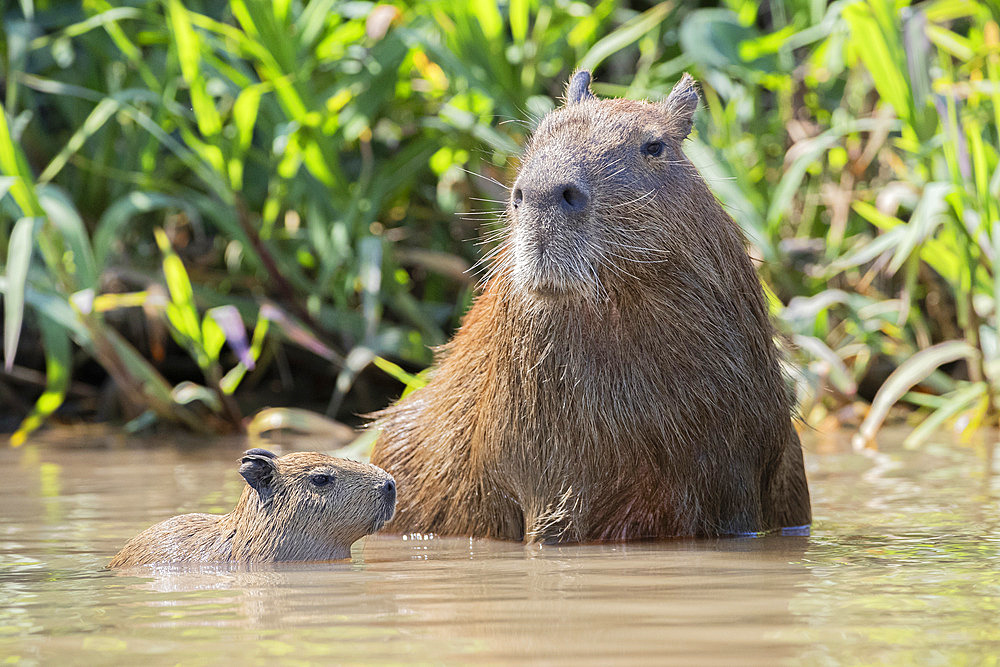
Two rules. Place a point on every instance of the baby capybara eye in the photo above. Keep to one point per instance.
(321, 480)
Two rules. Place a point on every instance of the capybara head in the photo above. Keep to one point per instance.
(605, 197)
(311, 499)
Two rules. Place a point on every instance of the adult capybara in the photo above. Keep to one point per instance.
(302, 506)
(618, 378)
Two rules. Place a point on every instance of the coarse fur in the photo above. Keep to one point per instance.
(618, 378)
(301, 506)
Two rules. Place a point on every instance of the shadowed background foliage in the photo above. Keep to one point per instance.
(208, 207)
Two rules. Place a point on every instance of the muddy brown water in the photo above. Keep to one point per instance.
(903, 566)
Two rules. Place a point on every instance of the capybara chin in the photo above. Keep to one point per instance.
(302, 506)
(618, 377)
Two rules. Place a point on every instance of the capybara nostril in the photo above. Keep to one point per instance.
(314, 494)
(389, 491)
(518, 197)
(574, 199)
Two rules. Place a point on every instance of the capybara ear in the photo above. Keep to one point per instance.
(578, 89)
(260, 472)
(681, 104)
(257, 451)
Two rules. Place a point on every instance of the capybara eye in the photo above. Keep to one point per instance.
(652, 148)
(321, 480)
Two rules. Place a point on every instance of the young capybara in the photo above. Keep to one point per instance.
(302, 506)
(618, 378)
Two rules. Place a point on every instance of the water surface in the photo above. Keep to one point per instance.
(903, 566)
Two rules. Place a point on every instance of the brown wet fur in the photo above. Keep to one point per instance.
(618, 377)
(284, 517)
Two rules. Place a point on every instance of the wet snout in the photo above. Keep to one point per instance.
(551, 187)
(387, 493)
(565, 197)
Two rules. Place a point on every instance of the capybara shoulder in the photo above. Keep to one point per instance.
(301, 506)
(618, 377)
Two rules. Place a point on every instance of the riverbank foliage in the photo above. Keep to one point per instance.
(211, 206)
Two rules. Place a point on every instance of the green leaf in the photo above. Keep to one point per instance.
(104, 110)
(58, 366)
(12, 163)
(188, 46)
(186, 393)
(909, 373)
(213, 338)
(181, 311)
(411, 381)
(628, 33)
(77, 257)
(18, 260)
(879, 44)
(518, 11)
(928, 215)
(957, 401)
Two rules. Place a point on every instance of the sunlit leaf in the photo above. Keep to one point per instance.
(183, 313)
(58, 367)
(908, 374)
(18, 258)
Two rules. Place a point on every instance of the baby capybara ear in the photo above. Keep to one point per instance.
(578, 89)
(260, 471)
(680, 106)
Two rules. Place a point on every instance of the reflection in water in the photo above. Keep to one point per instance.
(902, 566)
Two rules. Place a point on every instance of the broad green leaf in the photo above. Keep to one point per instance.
(868, 249)
(909, 373)
(18, 259)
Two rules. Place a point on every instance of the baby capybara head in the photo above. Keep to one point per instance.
(317, 499)
(606, 197)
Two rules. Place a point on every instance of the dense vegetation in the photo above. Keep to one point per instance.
(211, 206)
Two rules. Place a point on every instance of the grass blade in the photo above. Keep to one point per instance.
(628, 33)
(58, 365)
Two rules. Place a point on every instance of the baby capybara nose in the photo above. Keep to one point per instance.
(389, 491)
